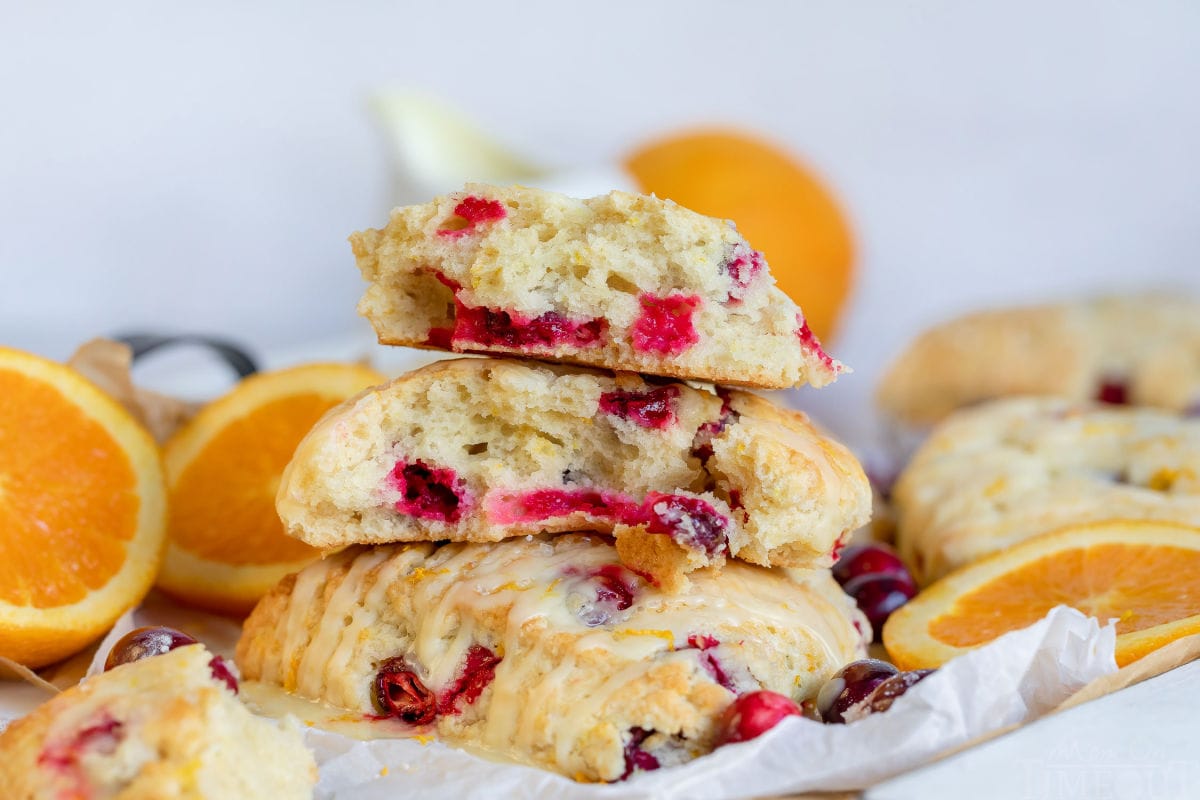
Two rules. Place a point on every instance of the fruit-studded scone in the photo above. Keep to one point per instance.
(156, 729)
(621, 281)
(488, 449)
(1011, 469)
(1142, 350)
(545, 649)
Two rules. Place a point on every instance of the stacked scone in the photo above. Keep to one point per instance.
(582, 564)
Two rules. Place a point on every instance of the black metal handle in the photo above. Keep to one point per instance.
(232, 354)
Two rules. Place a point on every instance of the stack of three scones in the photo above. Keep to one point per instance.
(578, 551)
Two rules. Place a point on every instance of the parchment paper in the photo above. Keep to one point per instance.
(1011, 681)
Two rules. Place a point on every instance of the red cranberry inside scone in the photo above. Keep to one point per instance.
(399, 692)
(102, 736)
(497, 327)
(599, 597)
(652, 409)
(810, 342)
(426, 492)
(1113, 391)
(664, 325)
(743, 267)
(637, 759)
(478, 670)
(708, 659)
(470, 213)
(702, 442)
(689, 521)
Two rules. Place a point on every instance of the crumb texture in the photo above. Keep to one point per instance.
(488, 449)
(622, 281)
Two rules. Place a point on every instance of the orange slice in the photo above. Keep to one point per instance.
(779, 205)
(82, 509)
(1145, 575)
(226, 546)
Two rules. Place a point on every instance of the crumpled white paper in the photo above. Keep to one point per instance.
(1013, 680)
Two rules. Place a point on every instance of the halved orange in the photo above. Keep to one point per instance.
(82, 510)
(1145, 575)
(226, 546)
(778, 203)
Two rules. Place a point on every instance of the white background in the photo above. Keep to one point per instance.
(198, 166)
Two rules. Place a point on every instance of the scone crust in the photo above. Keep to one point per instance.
(1149, 344)
(507, 428)
(576, 673)
(1002, 472)
(156, 729)
(594, 262)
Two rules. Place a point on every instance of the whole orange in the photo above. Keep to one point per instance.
(779, 205)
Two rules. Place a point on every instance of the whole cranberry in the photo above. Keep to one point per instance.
(885, 693)
(868, 559)
(879, 595)
(143, 643)
(753, 714)
(850, 685)
(154, 641)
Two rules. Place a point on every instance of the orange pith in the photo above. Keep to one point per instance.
(222, 507)
(1138, 585)
(781, 208)
(68, 499)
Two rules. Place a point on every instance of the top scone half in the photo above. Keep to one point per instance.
(481, 450)
(621, 281)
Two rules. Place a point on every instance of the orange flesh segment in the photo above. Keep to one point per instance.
(222, 507)
(1138, 585)
(68, 497)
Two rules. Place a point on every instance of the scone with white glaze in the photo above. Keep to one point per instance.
(997, 474)
(545, 649)
(488, 449)
(1139, 349)
(621, 281)
(163, 728)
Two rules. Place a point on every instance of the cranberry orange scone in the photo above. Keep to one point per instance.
(545, 649)
(1143, 350)
(621, 281)
(488, 449)
(991, 476)
(159, 728)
